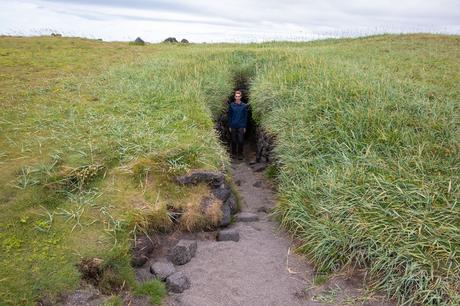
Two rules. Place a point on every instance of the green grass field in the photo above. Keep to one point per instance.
(367, 147)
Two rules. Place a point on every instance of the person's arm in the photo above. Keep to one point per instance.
(229, 116)
(245, 117)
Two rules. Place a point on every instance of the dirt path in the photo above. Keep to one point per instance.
(259, 269)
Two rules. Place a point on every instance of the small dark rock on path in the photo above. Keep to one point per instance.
(183, 252)
(247, 217)
(162, 269)
(257, 184)
(177, 282)
(228, 235)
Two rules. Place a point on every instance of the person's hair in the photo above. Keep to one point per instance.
(237, 91)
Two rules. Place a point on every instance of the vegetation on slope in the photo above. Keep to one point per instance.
(88, 154)
(367, 137)
(368, 143)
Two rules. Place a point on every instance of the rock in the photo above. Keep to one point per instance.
(246, 217)
(264, 145)
(170, 40)
(257, 184)
(222, 193)
(205, 203)
(231, 202)
(134, 301)
(259, 167)
(183, 252)
(228, 235)
(252, 162)
(139, 261)
(263, 209)
(162, 269)
(215, 179)
(91, 269)
(226, 215)
(45, 301)
(177, 282)
(139, 41)
(143, 275)
(84, 296)
(184, 41)
(142, 249)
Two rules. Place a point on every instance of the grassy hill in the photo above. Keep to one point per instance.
(367, 135)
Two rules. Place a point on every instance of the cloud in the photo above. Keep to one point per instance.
(238, 20)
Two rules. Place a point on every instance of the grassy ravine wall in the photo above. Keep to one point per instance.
(368, 137)
(367, 130)
(92, 136)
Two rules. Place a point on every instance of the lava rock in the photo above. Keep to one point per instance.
(215, 179)
(226, 215)
(177, 282)
(91, 269)
(84, 296)
(231, 202)
(143, 275)
(247, 217)
(257, 184)
(139, 41)
(228, 235)
(144, 246)
(205, 203)
(264, 145)
(139, 261)
(222, 193)
(162, 269)
(130, 299)
(259, 167)
(170, 40)
(263, 209)
(183, 252)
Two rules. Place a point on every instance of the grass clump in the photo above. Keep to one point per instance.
(154, 289)
(114, 300)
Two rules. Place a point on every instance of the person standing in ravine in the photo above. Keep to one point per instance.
(237, 121)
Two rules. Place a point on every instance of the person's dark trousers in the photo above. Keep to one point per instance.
(237, 142)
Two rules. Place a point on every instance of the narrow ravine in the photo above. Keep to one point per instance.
(261, 268)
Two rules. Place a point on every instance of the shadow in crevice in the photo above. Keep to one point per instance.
(257, 143)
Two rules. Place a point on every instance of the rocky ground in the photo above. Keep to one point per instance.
(252, 261)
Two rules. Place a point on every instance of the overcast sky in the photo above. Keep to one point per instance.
(216, 21)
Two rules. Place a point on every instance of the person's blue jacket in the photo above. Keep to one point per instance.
(237, 115)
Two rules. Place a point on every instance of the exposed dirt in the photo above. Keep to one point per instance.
(261, 269)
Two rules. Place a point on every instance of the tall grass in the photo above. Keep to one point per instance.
(368, 140)
(88, 160)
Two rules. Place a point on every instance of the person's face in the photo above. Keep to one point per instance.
(237, 97)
